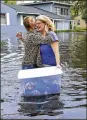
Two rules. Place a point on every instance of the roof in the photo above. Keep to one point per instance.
(51, 2)
(34, 10)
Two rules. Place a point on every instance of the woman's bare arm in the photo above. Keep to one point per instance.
(55, 47)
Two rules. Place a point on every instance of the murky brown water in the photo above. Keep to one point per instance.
(70, 104)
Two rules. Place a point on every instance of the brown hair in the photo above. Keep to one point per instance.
(26, 23)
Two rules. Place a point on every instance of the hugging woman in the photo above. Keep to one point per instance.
(34, 42)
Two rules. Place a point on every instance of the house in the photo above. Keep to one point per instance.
(79, 22)
(62, 10)
(12, 16)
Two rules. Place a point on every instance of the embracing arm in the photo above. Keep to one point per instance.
(38, 39)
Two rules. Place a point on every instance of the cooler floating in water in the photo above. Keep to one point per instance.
(40, 81)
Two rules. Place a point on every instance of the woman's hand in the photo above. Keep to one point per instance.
(19, 35)
(59, 66)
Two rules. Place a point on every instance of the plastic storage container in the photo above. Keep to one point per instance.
(40, 81)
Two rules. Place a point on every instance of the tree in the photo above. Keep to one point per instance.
(10, 1)
(78, 8)
(84, 16)
(84, 12)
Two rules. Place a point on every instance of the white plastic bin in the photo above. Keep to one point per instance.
(40, 81)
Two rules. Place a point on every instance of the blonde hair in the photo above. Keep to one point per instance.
(46, 20)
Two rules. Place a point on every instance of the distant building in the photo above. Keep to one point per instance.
(12, 16)
(79, 22)
(62, 10)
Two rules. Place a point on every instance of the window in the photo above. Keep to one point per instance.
(3, 19)
(64, 11)
(57, 11)
(61, 11)
(78, 22)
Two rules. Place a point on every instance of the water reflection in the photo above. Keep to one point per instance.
(8, 47)
(73, 52)
(41, 105)
(78, 52)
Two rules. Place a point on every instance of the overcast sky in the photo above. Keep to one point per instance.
(20, 1)
(26, 1)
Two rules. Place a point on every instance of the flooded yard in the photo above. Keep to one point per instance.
(70, 104)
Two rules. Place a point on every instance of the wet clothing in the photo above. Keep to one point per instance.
(29, 66)
(32, 43)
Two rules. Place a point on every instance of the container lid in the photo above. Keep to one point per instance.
(39, 72)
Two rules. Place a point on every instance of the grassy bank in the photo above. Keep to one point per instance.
(75, 30)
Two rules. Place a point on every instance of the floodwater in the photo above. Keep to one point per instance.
(70, 104)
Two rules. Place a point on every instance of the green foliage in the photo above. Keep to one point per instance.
(5, 1)
(10, 1)
(75, 30)
(84, 15)
(79, 7)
